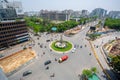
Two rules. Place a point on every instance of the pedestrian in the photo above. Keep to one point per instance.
(78, 75)
(53, 74)
(47, 67)
(43, 53)
(45, 46)
(55, 59)
(90, 54)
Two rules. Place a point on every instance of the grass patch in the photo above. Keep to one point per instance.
(69, 46)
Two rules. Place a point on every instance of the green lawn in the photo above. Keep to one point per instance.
(69, 46)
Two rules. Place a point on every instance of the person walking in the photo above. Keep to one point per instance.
(90, 54)
(55, 59)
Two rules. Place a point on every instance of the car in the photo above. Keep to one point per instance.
(27, 73)
(47, 62)
(80, 46)
(47, 40)
(63, 58)
(74, 46)
(73, 50)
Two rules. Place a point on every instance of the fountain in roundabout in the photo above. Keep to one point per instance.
(61, 45)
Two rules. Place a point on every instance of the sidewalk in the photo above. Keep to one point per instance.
(13, 49)
(101, 63)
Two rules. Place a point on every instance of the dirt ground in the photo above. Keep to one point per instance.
(17, 59)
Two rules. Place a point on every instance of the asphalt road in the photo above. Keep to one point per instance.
(102, 58)
(67, 70)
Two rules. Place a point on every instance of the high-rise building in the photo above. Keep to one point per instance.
(53, 15)
(99, 12)
(17, 6)
(84, 13)
(7, 13)
(75, 14)
(70, 12)
(13, 29)
(3, 4)
(32, 13)
(114, 14)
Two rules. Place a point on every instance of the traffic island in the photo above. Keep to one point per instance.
(63, 47)
(16, 60)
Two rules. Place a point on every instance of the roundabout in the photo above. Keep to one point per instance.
(61, 47)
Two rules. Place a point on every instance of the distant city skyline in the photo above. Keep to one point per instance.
(77, 5)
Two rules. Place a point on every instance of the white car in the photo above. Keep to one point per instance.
(73, 50)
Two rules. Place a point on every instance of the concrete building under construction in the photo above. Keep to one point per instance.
(13, 29)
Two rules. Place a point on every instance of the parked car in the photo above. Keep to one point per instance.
(27, 73)
(47, 62)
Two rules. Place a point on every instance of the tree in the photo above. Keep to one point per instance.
(87, 73)
(94, 69)
(93, 36)
(46, 25)
(113, 23)
(116, 63)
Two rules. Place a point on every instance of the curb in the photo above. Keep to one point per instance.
(108, 76)
(59, 51)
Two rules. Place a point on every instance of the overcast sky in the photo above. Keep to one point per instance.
(37, 5)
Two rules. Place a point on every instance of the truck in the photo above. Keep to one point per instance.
(63, 58)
